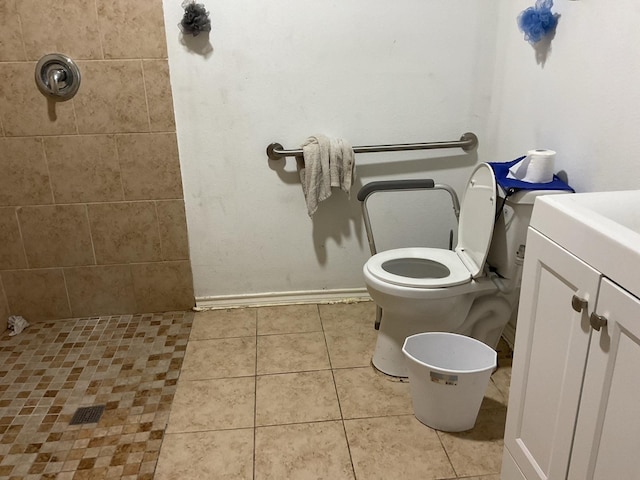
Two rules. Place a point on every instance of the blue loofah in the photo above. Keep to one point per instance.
(538, 21)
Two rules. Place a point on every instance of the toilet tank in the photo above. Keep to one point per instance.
(507, 249)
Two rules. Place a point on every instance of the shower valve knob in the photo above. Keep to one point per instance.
(57, 76)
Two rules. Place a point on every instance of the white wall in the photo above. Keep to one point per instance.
(369, 71)
(584, 102)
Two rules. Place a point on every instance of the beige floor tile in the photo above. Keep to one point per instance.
(225, 454)
(341, 317)
(288, 319)
(295, 398)
(396, 447)
(502, 379)
(478, 451)
(351, 348)
(363, 392)
(240, 322)
(292, 353)
(493, 397)
(213, 405)
(303, 451)
(483, 477)
(219, 358)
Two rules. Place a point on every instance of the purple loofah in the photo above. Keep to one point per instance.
(538, 21)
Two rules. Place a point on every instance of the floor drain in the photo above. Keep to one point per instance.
(87, 415)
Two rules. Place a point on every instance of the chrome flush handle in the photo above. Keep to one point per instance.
(578, 303)
(597, 321)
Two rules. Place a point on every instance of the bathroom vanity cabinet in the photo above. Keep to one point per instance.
(574, 404)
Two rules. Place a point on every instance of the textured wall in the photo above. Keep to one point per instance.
(92, 215)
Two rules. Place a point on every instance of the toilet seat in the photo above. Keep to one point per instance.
(438, 268)
(430, 267)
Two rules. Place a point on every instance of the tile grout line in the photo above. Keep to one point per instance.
(335, 387)
(255, 398)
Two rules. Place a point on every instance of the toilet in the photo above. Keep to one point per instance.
(472, 290)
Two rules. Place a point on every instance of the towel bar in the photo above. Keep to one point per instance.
(468, 142)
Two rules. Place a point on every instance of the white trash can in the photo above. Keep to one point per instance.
(448, 376)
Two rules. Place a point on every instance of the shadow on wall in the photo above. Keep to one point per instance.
(338, 218)
(543, 47)
(200, 44)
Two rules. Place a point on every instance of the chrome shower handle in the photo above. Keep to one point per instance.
(55, 76)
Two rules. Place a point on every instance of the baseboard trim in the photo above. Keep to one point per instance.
(347, 295)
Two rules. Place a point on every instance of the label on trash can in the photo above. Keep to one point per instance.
(443, 378)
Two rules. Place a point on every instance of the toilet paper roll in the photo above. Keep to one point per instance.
(536, 167)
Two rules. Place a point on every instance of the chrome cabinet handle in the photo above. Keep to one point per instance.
(597, 321)
(579, 304)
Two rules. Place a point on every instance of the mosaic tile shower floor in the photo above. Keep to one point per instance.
(128, 363)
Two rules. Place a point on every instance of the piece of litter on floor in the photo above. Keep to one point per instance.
(16, 324)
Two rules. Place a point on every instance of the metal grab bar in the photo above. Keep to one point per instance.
(468, 142)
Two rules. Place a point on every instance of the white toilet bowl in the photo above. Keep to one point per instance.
(430, 289)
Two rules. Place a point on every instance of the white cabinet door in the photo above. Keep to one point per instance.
(550, 353)
(607, 437)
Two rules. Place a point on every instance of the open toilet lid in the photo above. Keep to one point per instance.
(477, 217)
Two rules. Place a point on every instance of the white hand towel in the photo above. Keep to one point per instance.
(16, 324)
(342, 165)
(315, 175)
(327, 163)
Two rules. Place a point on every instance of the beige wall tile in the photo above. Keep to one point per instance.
(11, 47)
(11, 249)
(83, 168)
(150, 166)
(111, 98)
(132, 29)
(159, 99)
(24, 179)
(65, 26)
(26, 111)
(56, 235)
(125, 232)
(173, 229)
(100, 290)
(161, 287)
(4, 309)
(36, 294)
